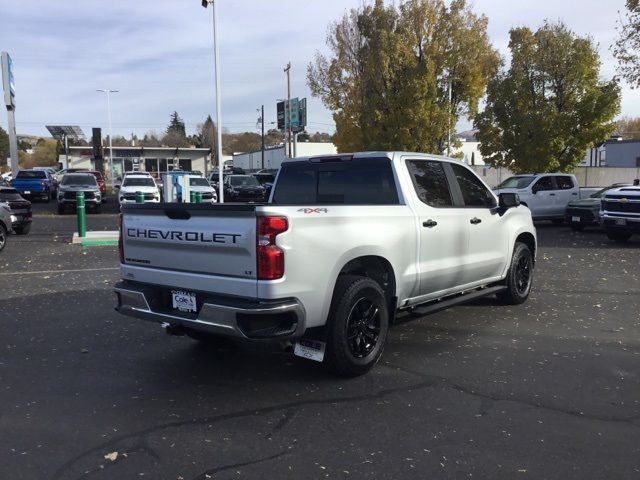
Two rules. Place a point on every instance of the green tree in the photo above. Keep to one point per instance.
(45, 153)
(400, 77)
(549, 106)
(4, 147)
(627, 47)
(176, 135)
(150, 139)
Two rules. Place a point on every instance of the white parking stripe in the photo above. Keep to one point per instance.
(61, 271)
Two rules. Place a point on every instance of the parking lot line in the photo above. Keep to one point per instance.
(6, 274)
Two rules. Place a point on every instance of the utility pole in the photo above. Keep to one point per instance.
(449, 124)
(288, 72)
(262, 119)
(111, 174)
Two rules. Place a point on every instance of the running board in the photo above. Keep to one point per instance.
(424, 309)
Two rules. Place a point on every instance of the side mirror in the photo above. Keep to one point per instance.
(508, 200)
(116, 186)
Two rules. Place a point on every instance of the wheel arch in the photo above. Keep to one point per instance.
(529, 240)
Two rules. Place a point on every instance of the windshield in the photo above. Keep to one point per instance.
(32, 174)
(265, 178)
(75, 180)
(243, 181)
(138, 182)
(199, 182)
(9, 194)
(516, 182)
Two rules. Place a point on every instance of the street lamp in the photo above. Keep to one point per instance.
(109, 92)
(205, 4)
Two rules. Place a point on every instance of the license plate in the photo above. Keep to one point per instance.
(310, 349)
(183, 301)
(575, 219)
(621, 221)
(27, 192)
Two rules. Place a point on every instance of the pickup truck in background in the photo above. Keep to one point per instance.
(34, 183)
(621, 212)
(345, 242)
(546, 194)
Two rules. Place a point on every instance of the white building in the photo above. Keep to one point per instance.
(274, 157)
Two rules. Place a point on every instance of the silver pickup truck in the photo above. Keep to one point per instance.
(344, 243)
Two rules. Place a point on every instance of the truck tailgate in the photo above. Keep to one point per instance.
(171, 242)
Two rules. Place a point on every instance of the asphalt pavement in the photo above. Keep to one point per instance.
(546, 390)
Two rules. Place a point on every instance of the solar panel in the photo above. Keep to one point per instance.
(70, 131)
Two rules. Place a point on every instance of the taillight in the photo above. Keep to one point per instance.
(270, 257)
(120, 239)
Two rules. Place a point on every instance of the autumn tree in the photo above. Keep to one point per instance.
(627, 47)
(400, 76)
(544, 112)
(628, 128)
(45, 153)
(4, 146)
(150, 139)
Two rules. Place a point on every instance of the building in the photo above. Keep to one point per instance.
(622, 153)
(469, 150)
(150, 159)
(274, 157)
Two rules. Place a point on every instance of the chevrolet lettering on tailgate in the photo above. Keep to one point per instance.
(179, 236)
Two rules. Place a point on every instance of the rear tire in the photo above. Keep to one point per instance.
(357, 326)
(619, 236)
(97, 209)
(519, 277)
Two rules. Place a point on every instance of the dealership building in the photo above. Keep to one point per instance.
(150, 159)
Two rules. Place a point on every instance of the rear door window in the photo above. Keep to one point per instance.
(430, 182)
(545, 183)
(564, 182)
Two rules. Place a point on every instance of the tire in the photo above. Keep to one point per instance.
(576, 227)
(519, 277)
(3, 237)
(25, 229)
(60, 209)
(359, 309)
(557, 221)
(619, 236)
(97, 209)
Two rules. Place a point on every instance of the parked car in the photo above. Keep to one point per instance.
(5, 224)
(546, 194)
(266, 180)
(200, 184)
(101, 183)
(585, 212)
(6, 177)
(344, 245)
(621, 213)
(71, 184)
(243, 188)
(34, 184)
(21, 214)
(133, 183)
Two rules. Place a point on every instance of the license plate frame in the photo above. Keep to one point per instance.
(621, 221)
(184, 301)
(310, 349)
(575, 219)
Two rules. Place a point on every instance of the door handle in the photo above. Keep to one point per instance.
(475, 221)
(429, 223)
(552, 194)
(574, 193)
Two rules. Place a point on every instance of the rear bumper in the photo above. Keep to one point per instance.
(227, 316)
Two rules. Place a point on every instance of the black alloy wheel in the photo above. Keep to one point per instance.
(519, 276)
(3, 237)
(363, 327)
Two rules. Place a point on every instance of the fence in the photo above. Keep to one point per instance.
(587, 176)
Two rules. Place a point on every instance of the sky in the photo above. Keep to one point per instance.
(159, 55)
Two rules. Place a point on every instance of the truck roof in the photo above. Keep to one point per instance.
(364, 155)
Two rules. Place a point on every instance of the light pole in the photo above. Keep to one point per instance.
(216, 53)
(109, 92)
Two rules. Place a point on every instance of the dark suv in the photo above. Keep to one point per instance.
(71, 184)
(21, 214)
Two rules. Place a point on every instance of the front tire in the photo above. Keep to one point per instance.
(519, 277)
(3, 237)
(357, 326)
(25, 229)
(619, 236)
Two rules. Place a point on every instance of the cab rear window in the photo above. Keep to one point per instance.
(355, 182)
(31, 174)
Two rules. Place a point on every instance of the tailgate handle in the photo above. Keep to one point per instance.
(177, 214)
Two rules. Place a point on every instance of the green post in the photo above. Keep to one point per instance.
(81, 214)
(192, 196)
(198, 197)
(139, 197)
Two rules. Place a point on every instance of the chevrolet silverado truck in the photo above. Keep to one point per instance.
(620, 213)
(344, 243)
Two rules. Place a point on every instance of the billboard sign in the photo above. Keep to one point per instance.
(8, 82)
(281, 115)
(298, 114)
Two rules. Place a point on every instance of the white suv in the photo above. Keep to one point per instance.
(134, 183)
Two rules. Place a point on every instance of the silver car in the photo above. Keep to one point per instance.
(5, 223)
